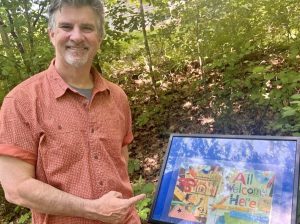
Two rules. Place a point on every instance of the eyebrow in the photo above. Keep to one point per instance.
(82, 24)
(87, 25)
(64, 23)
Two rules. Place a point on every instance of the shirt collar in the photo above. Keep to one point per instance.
(59, 86)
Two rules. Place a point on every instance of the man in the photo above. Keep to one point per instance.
(64, 132)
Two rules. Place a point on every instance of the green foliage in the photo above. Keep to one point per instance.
(24, 215)
(247, 54)
(25, 218)
(141, 187)
(146, 116)
(289, 121)
(133, 165)
(24, 45)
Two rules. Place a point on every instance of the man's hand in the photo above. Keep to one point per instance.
(20, 180)
(113, 208)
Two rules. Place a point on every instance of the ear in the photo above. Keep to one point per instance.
(51, 35)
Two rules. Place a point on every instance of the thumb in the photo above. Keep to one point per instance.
(115, 194)
(135, 199)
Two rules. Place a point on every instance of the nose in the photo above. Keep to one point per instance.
(76, 35)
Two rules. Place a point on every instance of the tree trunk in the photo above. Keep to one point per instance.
(147, 48)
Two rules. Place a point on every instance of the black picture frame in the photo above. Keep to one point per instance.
(220, 179)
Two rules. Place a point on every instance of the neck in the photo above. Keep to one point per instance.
(78, 77)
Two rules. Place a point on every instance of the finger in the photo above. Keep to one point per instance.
(135, 199)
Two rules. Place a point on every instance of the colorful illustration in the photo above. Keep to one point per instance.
(214, 194)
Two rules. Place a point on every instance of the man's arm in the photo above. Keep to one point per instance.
(20, 186)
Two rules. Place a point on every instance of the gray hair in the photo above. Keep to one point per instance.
(96, 5)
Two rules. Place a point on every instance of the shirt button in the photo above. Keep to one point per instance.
(92, 130)
(101, 183)
(95, 157)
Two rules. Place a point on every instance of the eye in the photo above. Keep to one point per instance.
(66, 27)
(87, 28)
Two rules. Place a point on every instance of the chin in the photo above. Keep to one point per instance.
(76, 62)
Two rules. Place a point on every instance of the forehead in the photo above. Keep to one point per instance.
(73, 14)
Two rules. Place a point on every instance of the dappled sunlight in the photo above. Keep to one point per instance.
(151, 164)
(206, 120)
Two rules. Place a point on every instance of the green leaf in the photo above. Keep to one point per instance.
(269, 76)
(288, 112)
(259, 69)
(133, 165)
(295, 102)
(148, 188)
(24, 218)
(287, 77)
(144, 213)
(295, 97)
(144, 203)
(277, 126)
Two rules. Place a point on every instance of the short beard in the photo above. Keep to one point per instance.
(76, 62)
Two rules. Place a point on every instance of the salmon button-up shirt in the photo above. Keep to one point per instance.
(74, 144)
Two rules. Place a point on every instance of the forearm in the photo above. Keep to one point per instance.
(21, 188)
(110, 208)
(44, 198)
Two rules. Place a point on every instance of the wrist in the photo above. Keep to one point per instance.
(88, 209)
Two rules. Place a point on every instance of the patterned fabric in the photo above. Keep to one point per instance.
(75, 145)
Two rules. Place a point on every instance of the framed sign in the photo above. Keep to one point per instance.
(215, 179)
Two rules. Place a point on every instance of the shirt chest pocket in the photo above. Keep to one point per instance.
(111, 136)
(62, 147)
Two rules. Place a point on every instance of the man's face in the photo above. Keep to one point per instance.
(74, 36)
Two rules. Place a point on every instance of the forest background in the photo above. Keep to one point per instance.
(188, 66)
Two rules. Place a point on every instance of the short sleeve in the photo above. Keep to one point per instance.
(18, 137)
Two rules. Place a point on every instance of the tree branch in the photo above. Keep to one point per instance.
(4, 36)
(28, 20)
(14, 34)
(41, 9)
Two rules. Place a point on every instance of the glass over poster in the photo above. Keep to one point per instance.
(211, 179)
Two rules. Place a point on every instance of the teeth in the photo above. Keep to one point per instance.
(77, 48)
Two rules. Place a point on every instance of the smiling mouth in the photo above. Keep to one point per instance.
(76, 48)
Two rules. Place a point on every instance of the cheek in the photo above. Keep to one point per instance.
(62, 39)
(95, 45)
(94, 40)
